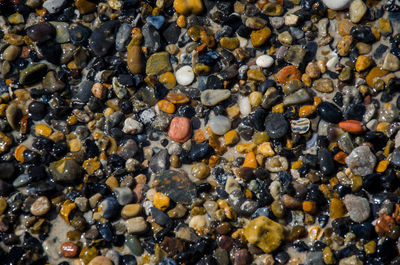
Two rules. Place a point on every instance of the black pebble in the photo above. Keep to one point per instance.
(329, 112)
(276, 125)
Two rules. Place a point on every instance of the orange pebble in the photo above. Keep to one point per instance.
(384, 224)
(340, 157)
(352, 126)
(309, 207)
(177, 98)
(288, 73)
(199, 136)
(250, 160)
(19, 153)
(166, 106)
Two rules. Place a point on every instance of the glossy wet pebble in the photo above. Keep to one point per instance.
(276, 125)
(219, 124)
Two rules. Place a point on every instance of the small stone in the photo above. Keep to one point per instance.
(357, 10)
(219, 124)
(361, 161)
(345, 26)
(11, 53)
(132, 126)
(265, 233)
(40, 206)
(136, 225)
(123, 195)
(264, 61)
(329, 112)
(32, 74)
(300, 126)
(180, 129)
(53, 6)
(285, 38)
(185, 75)
(100, 260)
(324, 85)
(175, 185)
(200, 170)
(391, 63)
(229, 43)
(299, 97)
(255, 75)
(158, 63)
(295, 55)
(362, 63)
(358, 207)
(337, 5)
(69, 249)
(187, 7)
(103, 38)
(133, 243)
(51, 83)
(135, 59)
(131, 210)
(336, 209)
(384, 26)
(65, 170)
(276, 125)
(352, 260)
(85, 6)
(276, 164)
(344, 45)
(211, 97)
(259, 37)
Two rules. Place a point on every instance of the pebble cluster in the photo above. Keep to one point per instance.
(209, 132)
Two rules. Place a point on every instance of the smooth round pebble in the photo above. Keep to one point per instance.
(264, 61)
(219, 124)
(100, 260)
(40, 206)
(337, 4)
(184, 76)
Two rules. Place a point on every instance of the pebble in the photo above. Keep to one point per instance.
(11, 53)
(264, 61)
(65, 170)
(180, 129)
(361, 161)
(123, 195)
(337, 5)
(134, 245)
(358, 208)
(211, 97)
(40, 206)
(100, 260)
(391, 63)
(329, 112)
(160, 161)
(136, 225)
(276, 125)
(184, 76)
(219, 124)
(158, 63)
(357, 10)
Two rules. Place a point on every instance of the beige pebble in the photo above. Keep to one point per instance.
(40, 206)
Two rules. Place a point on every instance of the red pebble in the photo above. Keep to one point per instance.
(242, 257)
(352, 126)
(69, 249)
(180, 129)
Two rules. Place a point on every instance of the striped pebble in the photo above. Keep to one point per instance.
(300, 126)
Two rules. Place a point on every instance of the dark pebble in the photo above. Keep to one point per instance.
(160, 217)
(37, 110)
(329, 112)
(41, 32)
(326, 162)
(103, 38)
(276, 125)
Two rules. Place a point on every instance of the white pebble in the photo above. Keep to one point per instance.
(184, 76)
(332, 62)
(219, 124)
(264, 61)
(244, 106)
(337, 4)
(132, 126)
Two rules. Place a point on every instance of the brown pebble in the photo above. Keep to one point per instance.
(100, 260)
(40, 206)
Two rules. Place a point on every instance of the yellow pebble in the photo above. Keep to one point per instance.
(166, 106)
(278, 108)
(3, 108)
(43, 129)
(306, 79)
(108, 112)
(362, 63)
(168, 80)
(306, 111)
(231, 137)
(181, 21)
(297, 164)
(161, 201)
(3, 205)
(91, 165)
(245, 148)
(255, 98)
(67, 207)
(72, 120)
(370, 247)
(382, 127)
(112, 182)
(337, 208)
(317, 101)
(233, 111)
(75, 145)
(382, 166)
(266, 149)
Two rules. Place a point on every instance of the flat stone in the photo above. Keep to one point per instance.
(358, 207)
(158, 63)
(361, 161)
(175, 185)
(211, 97)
